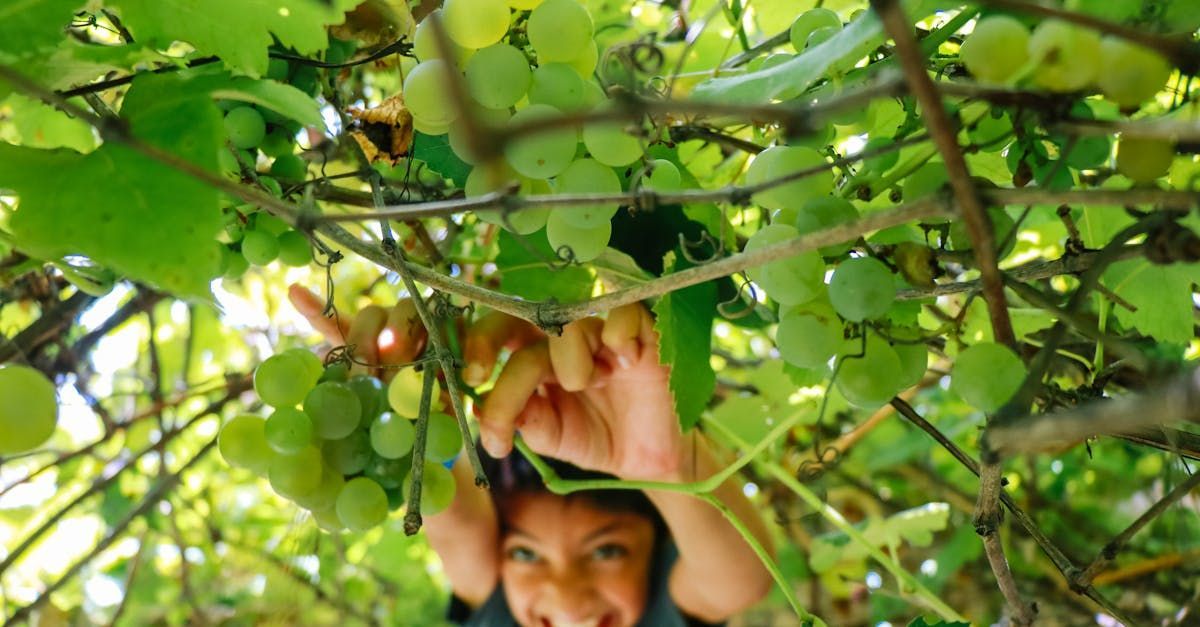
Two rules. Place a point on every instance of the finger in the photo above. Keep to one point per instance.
(525, 370)
(312, 307)
(622, 329)
(572, 353)
(364, 334)
(403, 336)
(486, 337)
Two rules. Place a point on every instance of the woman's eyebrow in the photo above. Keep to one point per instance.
(606, 529)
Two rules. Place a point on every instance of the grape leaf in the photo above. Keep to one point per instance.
(238, 31)
(524, 274)
(27, 26)
(435, 151)
(42, 126)
(684, 326)
(143, 219)
(791, 77)
(915, 526)
(1162, 295)
(283, 99)
(73, 63)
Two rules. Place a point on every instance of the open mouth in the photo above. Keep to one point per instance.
(606, 620)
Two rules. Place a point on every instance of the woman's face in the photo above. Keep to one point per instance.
(565, 563)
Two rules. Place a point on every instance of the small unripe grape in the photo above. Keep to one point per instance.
(1131, 74)
(243, 443)
(872, 379)
(404, 393)
(348, 455)
(28, 411)
(791, 280)
(362, 504)
(809, 22)
(443, 440)
(392, 435)
(583, 244)
(259, 247)
(806, 340)
(295, 249)
(288, 430)
(862, 288)
(559, 29)
(1144, 159)
(437, 488)
(1067, 55)
(588, 176)
(987, 375)
(475, 23)
(245, 127)
(289, 167)
(282, 380)
(294, 475)
(334, 409)
(996, 49)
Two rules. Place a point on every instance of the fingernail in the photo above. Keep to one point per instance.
(491, 444)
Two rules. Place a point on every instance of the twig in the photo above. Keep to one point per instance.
(1114, 546)
(1176, 401)
(412, 514)
(158, 493)
(49, 326)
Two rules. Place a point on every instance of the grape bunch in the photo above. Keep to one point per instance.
(522, 61)
(338, 445)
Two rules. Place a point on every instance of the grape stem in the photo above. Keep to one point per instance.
(412, 514)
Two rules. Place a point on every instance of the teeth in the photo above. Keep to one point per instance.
(594, 622)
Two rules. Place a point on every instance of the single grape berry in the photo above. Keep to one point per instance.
(243, 443)
(862, 288)
(28, 411)
(392, 435)
(809, 22)
(334, 409)
(996, 49)
(260, 247)
(280, 380)
(404, 393)
(362, 504)
(987, 375)
(245, 127)
(294, 475)
(348, 455)
(288, 430)
(791, 280)
(443, 440)
(294, 249)
(1144, 159)
(437, 488)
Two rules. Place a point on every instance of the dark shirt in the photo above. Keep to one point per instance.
(660, 609)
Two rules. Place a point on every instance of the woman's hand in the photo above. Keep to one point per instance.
(594, 396)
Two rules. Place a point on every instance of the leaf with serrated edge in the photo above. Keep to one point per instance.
(684, 325)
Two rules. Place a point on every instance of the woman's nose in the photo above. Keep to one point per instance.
(570, 598)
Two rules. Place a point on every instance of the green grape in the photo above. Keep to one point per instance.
(236, 265)
(29, 411)
(270, 224)
(791, 280)
(862, 288)
(271, 186)
(295, 475)
(557, 85)
(1067, 55)
(337, 372)
(824, 212)
(327, 519)
(425, 45)
(925, 180)
(334, 408)
(278, 143)
(585, 63)
(280, 380)
(914, 361)
(437, 486)
(395, 498)
(498, 76)
(388, 473)
(663, 176)
(362, 505)
(245, 127)
(1131, 74)
(987, 375)
(996, 50)
(443, 440)
(871, 380)
(294, 249)
(810, 21)
(609, 144)
(426, 94)
(476, 23)
(1144, 159)
(779, 161)
(821, 35)
(816, 139)
(371, 396)
(288, 430)
(289, 167)
(348, 455)
(460, 141)
(558, 30)
(584, 244)
(404, 393)
(484, 179)
(543, 154)
(807, 341)
(243, 443)
(230, 162)
(326, 493)
(588, 176)
(259, 247)
(524, 5)
(391, 435)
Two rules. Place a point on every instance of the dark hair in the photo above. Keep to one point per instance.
(514, 475)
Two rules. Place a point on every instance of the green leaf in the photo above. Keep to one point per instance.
(238, 31)
(278, 97)
(145, 220)
(435, 151)
(920, 622)
(73, 63)
(43, 126)
(27, 26)
(1162, 295)
(684, 324)
(790, 78)
(524, 274)
(915, 526)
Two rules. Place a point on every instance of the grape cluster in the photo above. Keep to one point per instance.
(521, 61)
(340, 446)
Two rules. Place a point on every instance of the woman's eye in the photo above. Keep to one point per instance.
(522, 554)
(609, 551)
